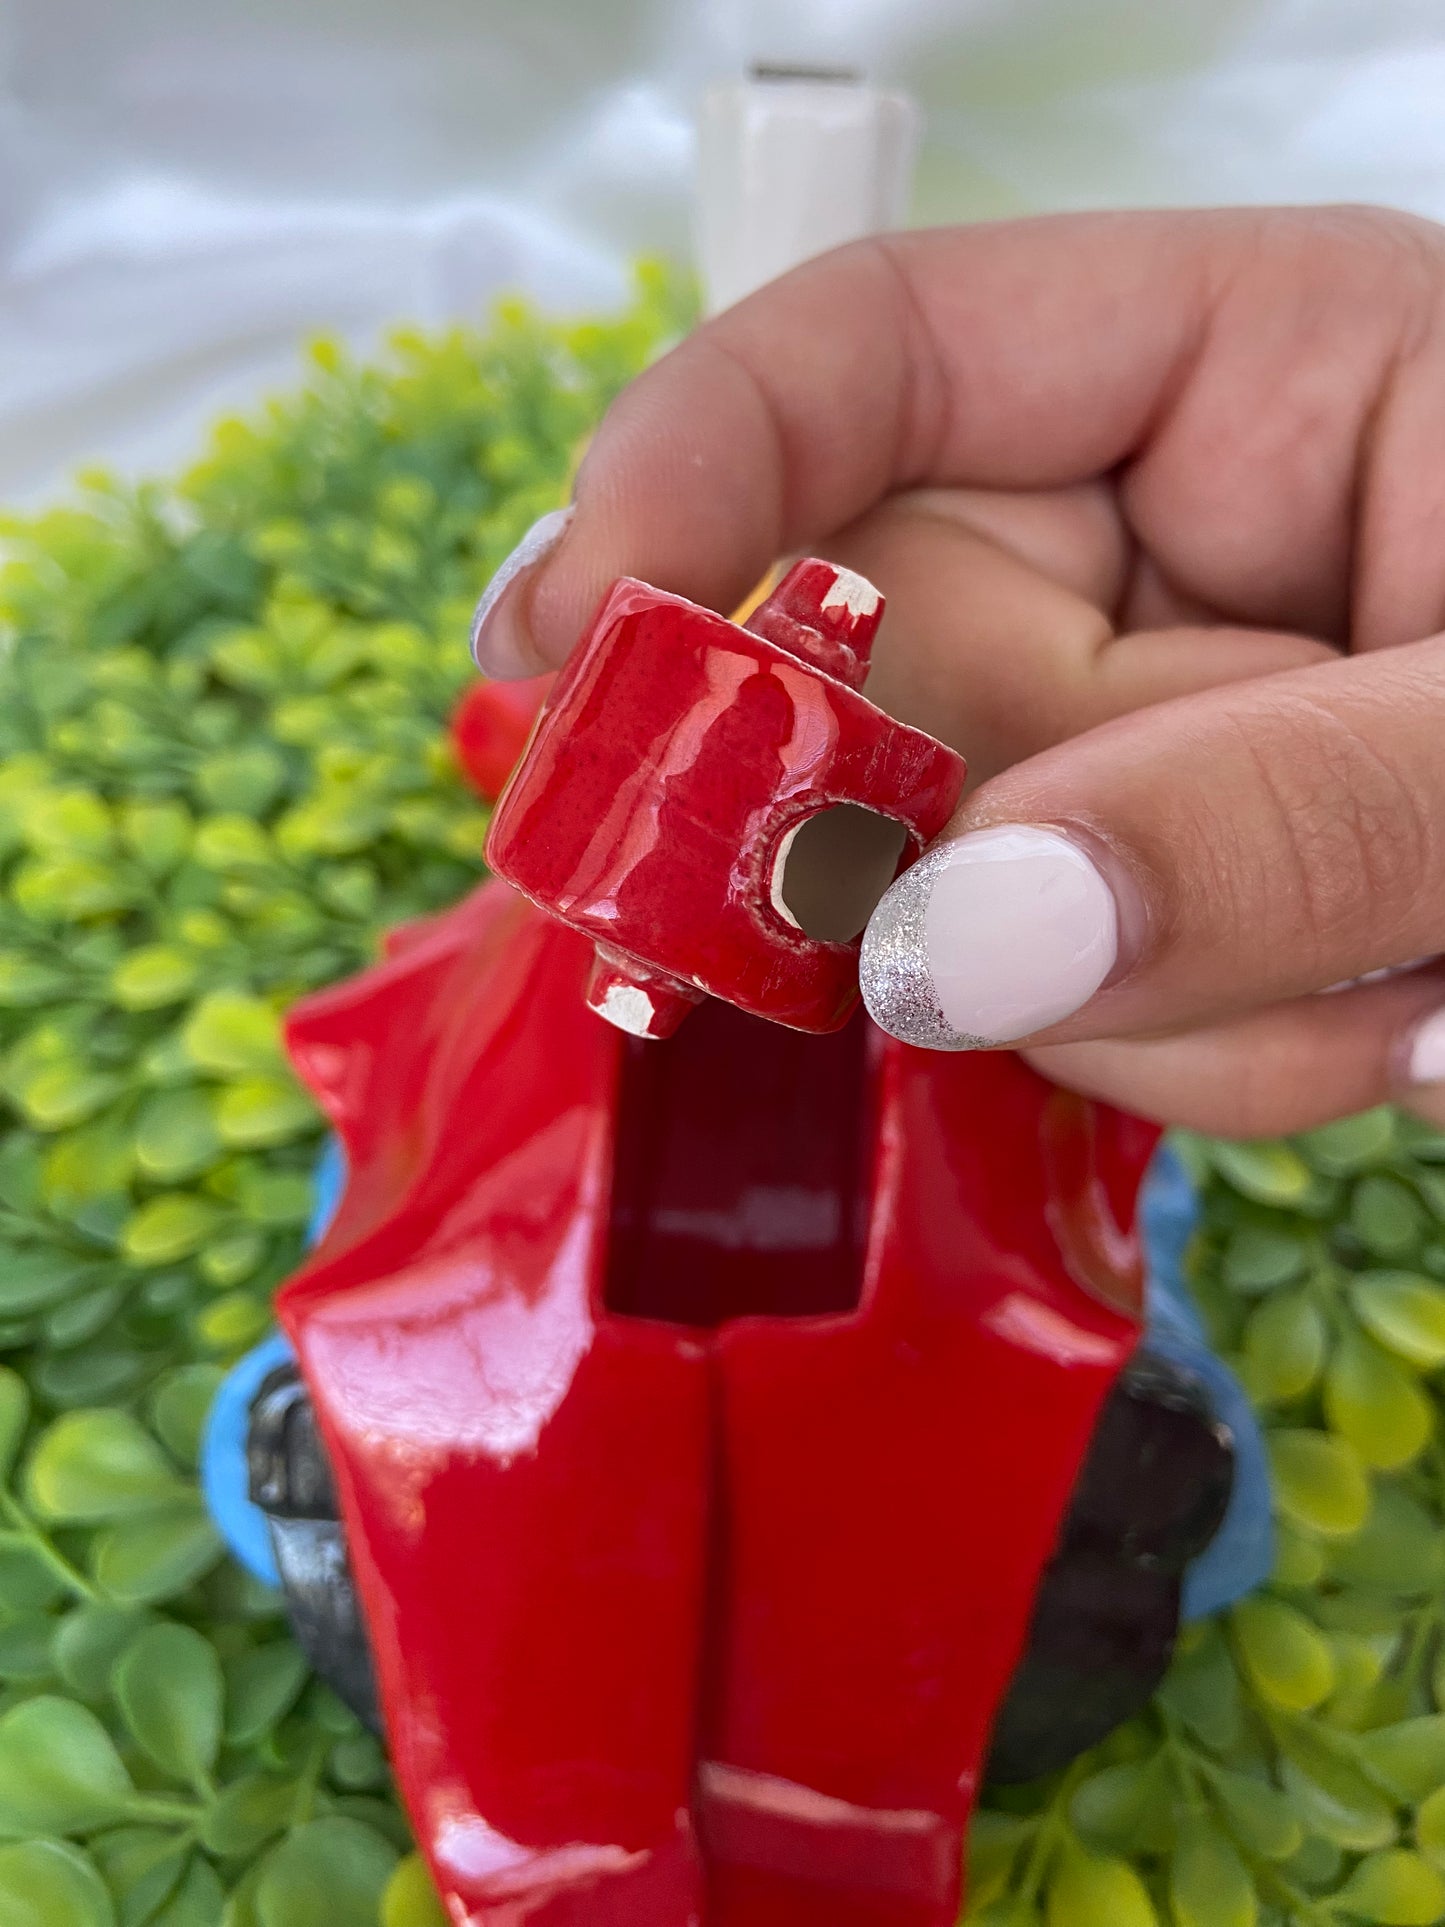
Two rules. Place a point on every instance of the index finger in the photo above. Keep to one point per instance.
(1223, 368)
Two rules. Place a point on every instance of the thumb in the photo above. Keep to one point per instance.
(1244, 846)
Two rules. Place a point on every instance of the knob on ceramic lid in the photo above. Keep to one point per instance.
(823, 614)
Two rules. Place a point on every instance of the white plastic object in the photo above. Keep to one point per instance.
(792, 163)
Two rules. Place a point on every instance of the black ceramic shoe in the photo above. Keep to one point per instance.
(1152, 1495)
(291, 1482)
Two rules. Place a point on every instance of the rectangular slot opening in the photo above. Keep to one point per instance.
(740, 1173)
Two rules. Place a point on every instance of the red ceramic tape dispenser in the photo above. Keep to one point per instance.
(704, 1411)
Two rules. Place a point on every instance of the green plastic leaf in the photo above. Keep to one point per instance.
(240, 1908)
(231, 1034)
(169, 1227)
(1397, 1889)
(1286, 1657)
(234, 1256)
(85, 1377)
(277, 1198)
(1352, 1144)
(233, 843)
(263, 1110)
(46, 1883)
(1408, 1757)
(35, 1277)
(176, 1135)
(168, 1688)
(1209, 1885)
(233, 1322)
(157, 834)
(19, 1173)
(197, 1901)
(63, 1094)
(89, 1641)
(1299, 1558)
(14, 1417)
(249, 1812)
(1202, 1689)
(145, 1561)
(25, 1579)
(1405, 1312)
(1123, 1808)
(25, 1649)
(59, 1772)
(1259, 1258)
(93, 1466)
(1268, 1172)
(84, 1317)
(1376, 1404)
(66, 822)
(1095, 1890)
(142, 1868)
(1259, 1815)
(1333, 1797)
(180, 1406)
(357, 1764)
(331, 1870)
(411, 1898)
(1430, 1828)
(1387, 1216)
(99, 1465)
(241, 779)
(261, 1688)
(1285, 1343)
(154, 976)
(26, 980)
(1399, 1549)
(1319, 1482)
(995, 1841)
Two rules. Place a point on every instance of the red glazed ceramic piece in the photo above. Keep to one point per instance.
(703, 1414)
(490, 730)
(676, 759)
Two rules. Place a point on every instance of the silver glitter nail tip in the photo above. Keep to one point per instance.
(539, 541)
(893, 968)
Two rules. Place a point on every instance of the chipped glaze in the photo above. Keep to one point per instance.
(675, 757)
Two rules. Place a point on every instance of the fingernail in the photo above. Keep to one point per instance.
(988, 939)
(500, 645)
(1425, 1063)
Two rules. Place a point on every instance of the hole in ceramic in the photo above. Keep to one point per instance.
(832, 869)
(740, 1174)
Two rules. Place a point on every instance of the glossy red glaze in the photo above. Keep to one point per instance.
(490, 727)
(703, 1413)
(675, 758)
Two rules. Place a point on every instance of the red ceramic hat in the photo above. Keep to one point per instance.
(675, 762)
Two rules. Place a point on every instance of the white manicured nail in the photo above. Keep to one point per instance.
(498, 646)
(988, 939)
(1426, 1064)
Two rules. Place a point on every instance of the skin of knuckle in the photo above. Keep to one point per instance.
(1375, 240)
(1345, 839)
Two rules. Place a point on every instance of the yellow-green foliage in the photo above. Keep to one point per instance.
(1293, 1767)
(223, 771)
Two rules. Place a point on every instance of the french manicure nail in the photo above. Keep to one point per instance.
(1425, 1063)
(989, 938)
(498, 646)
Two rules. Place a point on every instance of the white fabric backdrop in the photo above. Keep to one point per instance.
(187, 187)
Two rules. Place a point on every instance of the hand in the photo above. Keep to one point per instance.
(1158, 502)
